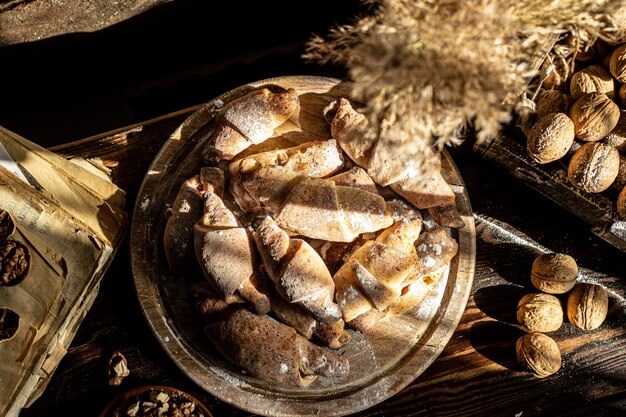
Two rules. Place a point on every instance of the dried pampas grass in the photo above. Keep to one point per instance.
(435, 68)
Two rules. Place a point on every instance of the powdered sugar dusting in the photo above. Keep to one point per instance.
(228, 377)
(145, 203)
(283, 368)
(184, 207)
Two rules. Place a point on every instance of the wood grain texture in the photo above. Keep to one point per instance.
(129, 151)
(475, 375)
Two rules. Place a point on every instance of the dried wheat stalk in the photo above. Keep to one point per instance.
(437, 67)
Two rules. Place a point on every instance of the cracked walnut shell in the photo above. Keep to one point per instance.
(587, 306)
(554, 273)
(539, 354)
(117, 369)
(540, 312)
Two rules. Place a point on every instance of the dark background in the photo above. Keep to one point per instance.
(174, 56)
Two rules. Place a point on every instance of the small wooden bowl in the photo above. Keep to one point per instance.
(124, 397)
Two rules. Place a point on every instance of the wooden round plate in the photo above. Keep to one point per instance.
(382, 362)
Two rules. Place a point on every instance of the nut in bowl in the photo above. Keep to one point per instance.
(296, 238)
(155, 400)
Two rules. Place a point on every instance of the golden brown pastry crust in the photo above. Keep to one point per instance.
(261, 182)
(379, 157)
(248, 120)
(319, 209)
(331, 334)
(273, 351)
(178, 232)
(297, 270)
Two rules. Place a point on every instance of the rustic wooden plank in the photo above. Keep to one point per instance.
(32, 20)
(127, 152)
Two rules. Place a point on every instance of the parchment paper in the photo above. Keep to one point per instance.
(72, 220)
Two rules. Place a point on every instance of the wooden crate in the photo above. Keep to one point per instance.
(508, 151)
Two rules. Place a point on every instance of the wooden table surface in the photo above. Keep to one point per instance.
(476, 374)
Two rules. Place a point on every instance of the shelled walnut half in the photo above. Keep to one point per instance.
(7, 225)
(14, 256)
(14, 262)
(9, 323)
(117, 369)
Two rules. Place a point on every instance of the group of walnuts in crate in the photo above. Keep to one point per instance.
(583, 119)
(554, 275)
(14, 267)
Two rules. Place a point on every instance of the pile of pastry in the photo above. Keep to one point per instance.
(301, 245)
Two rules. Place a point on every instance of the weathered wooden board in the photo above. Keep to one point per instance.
(383, 362)
(32, 20)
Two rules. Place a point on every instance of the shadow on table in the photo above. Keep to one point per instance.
(496, 341)
(500, 301)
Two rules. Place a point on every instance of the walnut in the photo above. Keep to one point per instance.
(550, 138)
(594, 78)
(539, 354)
(14, 262)
(617, 64)
(117, 369)
(540, 312)
(621, 203)
(7, 226)
(621, 95)
(620, 180)
(594, 167)
(552, 101)
(594, 116)
(587, 306)
(554, 273)
(9, 323)
(617, 136)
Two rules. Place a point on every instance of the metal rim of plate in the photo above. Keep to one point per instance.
(151, 282)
